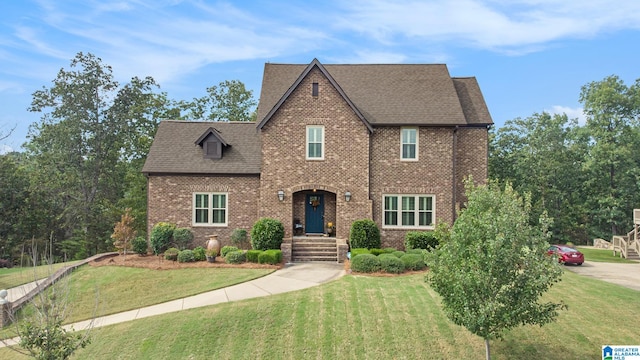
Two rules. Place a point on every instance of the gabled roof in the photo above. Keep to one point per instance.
(213, 132)
(385, 94)
(315, 63)
(175, 149)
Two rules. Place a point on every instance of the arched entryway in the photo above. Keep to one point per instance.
(313, 211)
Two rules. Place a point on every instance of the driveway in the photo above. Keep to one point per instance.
(627, 275)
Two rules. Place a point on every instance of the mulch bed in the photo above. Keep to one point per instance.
(160, 263)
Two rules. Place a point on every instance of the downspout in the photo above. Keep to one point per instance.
(453, 183)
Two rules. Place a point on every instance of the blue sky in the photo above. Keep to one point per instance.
(528, 55)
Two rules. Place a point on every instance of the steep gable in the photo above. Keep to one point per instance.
(385, 95)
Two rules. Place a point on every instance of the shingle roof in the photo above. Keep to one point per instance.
(398, 94)
(174, 149)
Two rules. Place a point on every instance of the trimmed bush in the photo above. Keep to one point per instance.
(413, 262)
(267, 234)
(161, 236)
(252, 255)
(377, 252)
(390, 250)
(398, 254)
(227, 249)
(171, 254)
(139, 245)
(199, 254)
(239, 237)
(420, 240)
(182, 237)
(391, 264)
(364, 234)
(235, 257)
(358, 251)
(186, 256)
(366, 263)
(272, 257)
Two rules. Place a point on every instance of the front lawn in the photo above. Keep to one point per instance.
(21, 275)
(361, 317)
(601, 255)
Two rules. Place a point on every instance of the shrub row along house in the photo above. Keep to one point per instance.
(331, 144)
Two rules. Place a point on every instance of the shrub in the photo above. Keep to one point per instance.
(4, 263)
(239, 237)
(227, 249)
(420, 240)
(398, 254)
(139, 245)
(377, 252)
(186, 256)
(391, 264)
(365, 263)
(364, 234)
(413, 261)
(161, 236)
(235, 257)
(182, 237)
(358, 251)
(390, 250)
(267, 234)
(199, 254)
(171, 254)
(252, 255)
(272, 257)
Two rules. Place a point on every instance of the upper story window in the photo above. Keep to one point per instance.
(210, 209)
(315, 142)
(409, 144)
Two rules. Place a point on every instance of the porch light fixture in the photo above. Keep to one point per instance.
(347, 196)
(281, 195)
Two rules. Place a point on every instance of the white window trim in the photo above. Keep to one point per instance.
(416, 212)
(306, 155)
(209, 222)
(402, 158)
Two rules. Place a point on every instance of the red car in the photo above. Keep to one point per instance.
(566, 255)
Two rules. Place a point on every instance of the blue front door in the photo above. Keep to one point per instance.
(314, 214)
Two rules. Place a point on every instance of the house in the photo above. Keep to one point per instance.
(331, 144)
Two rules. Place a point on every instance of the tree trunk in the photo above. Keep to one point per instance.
(486, 347)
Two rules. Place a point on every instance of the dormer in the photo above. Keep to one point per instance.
(212, 144)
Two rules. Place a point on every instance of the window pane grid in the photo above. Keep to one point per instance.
(315, 140)
(210, 208)
(413, 211)
(409, 143)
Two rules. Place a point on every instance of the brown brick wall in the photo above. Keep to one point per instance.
(472, 158)
(170, 200)
(431, 175)
(346, 158)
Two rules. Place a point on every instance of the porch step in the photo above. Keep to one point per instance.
(632, 255)
(317, 248)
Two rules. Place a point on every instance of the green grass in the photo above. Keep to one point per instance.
(602, 255)
(368, 318)
(21, 275)
(117, 288)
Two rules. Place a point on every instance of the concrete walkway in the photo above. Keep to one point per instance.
(293, 277)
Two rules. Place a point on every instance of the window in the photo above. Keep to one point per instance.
(410, 211)
(315, 142)
(212, 149)
(314, 89)
(210, 209)
(409, 144)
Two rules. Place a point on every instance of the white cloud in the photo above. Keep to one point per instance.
(5, 149)
(572, 113)
(506, 26)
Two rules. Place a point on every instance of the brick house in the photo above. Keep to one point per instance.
(332, 143)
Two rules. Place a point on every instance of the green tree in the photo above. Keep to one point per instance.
(543, 155)
(491, 267)
(90, 130)
(228, 101)
(613, 162)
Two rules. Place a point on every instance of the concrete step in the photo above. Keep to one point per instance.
(307, 258)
